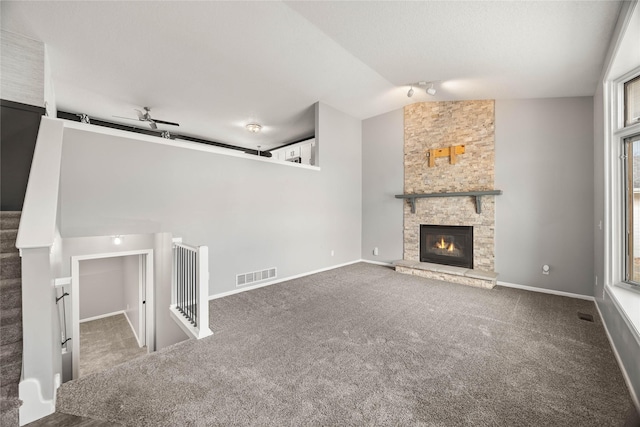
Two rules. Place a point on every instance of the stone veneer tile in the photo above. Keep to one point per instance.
(439, 125)
(462, 280)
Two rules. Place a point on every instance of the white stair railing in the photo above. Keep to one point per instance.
(190, 289)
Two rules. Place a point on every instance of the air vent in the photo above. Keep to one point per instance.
(585, 316)
(255, 277)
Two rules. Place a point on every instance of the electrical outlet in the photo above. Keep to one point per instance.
(545, 269)
(333, 252)
(375, 251)
(596, 280)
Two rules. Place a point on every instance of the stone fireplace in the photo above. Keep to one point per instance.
(437, 127)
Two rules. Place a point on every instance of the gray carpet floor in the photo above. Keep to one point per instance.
(364, 345)
(105, 343)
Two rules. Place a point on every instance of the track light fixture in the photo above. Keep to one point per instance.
(431, 90)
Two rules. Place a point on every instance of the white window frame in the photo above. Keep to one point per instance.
(615, 213)
(624, 295)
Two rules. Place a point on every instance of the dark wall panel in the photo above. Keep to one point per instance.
(19, 124)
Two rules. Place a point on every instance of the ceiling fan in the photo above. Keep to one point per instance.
(146, 117)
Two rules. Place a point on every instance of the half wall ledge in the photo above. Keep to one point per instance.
(463, 276)
(477, 195)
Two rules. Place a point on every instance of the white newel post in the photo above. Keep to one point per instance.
(203, 292)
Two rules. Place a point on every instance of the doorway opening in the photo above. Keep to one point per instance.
(112, 309)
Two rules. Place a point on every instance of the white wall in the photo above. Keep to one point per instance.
(544, 166)
(382, 179)
(251, 213)
(101, 287)
(131, 288)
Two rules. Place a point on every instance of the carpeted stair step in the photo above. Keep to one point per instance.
(10, 266)
(11, 333)
(10, 316)
(11, 353)
(9, 391)
(10, 412)
(8, 241)
(11, 369)
(9, 220)
(10, 319)
(10, 294)
(7, 285)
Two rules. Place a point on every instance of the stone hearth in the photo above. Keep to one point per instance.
(463, 276)
(439, 125)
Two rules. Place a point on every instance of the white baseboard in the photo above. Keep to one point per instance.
(187, 328)
(135, 334)
(545, 291)
(273, 282)
(625, 375)
(33, 406)
(627, 303)
(386, 264)
(102, 316)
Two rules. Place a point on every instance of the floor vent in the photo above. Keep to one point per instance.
(254, 277)
(585, 316)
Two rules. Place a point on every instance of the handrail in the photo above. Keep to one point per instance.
(38, 221)
(475, 194)
(184, 245)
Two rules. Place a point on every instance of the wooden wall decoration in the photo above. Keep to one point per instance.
(450, 152)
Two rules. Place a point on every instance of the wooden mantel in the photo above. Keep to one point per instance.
(477, 195)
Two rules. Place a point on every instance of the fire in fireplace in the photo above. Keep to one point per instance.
(447, 244)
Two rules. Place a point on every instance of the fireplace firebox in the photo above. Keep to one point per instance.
(447, 244)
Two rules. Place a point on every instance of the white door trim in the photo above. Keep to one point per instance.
(142, 309)
(147, 255)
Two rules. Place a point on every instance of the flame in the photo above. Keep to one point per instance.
(451, 247)
(441, 244)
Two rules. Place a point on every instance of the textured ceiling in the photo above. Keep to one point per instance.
(215, 66)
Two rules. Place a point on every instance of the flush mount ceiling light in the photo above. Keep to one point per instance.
(117, 240)
(253, 127)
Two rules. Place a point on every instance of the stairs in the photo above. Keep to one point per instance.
(10, 319)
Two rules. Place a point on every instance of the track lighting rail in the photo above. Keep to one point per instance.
(86, 119)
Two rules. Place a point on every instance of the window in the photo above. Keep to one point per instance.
(632, 202)
(632, 102)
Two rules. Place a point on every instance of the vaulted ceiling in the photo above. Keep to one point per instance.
(216, 66)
